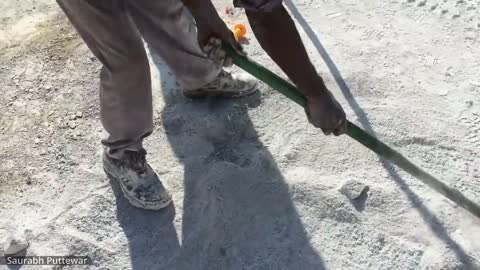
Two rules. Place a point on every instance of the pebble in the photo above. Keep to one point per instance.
(79, 114)
(72, 124)
(14, 244)
(448, 71)
(352, 189)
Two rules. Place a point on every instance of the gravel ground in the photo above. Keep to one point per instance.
(254, 185)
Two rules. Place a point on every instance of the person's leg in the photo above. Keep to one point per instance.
(170, 30)
(125, 87)
(125, 95)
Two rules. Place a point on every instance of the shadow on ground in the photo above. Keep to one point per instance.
(237, 211)
(428, 218)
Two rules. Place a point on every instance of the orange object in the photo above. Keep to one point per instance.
(239, 31)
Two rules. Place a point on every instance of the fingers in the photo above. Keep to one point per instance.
(235, 45)
(336, 124)
(321, 125)
(214, 51)
(341, 128)
(326, 131)
(207, 48)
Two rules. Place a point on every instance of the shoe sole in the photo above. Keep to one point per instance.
(132, 200)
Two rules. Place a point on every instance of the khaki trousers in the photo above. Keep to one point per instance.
(113, 30)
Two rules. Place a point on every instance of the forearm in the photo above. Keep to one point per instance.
(278, 36)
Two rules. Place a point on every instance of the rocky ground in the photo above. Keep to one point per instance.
(254, 185)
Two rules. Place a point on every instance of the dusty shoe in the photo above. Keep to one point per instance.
(139, 182)
(226, 85)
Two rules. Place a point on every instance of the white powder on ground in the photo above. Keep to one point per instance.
(254, 185)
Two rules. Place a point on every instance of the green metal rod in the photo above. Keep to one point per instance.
(355, 132)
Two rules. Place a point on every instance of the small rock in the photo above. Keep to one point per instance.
(422, 3)
(456, 15)
(448, 72)
(71, 117)
(352, 189)
(381, 239)
(72, 124)
(444, 11)
(36, 140)
(14, 245)
(79, 114)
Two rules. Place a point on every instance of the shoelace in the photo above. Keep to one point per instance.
(226, 74)
(136, 160)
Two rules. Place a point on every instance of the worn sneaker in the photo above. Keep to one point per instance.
(139, 182)
(226, 85)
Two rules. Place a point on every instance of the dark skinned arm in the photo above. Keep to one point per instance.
(276, 33)
(278, 36)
